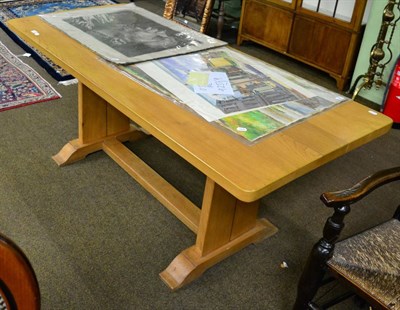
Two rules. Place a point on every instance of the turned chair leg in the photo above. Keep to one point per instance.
(220, 20)
(312, 276)
(322, 251)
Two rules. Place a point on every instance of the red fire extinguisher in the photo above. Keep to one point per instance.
(391, 102)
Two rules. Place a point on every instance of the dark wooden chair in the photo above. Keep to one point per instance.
(196, 14)
(368, 261)
(19, 288)
(220, 13)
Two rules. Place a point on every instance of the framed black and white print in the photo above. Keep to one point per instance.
(128, 34)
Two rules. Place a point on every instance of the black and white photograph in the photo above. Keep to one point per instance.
(128, 34)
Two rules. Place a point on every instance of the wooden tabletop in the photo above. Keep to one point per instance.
(246, 171)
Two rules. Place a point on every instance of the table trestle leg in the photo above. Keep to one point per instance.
(226, 226)
(98, 120)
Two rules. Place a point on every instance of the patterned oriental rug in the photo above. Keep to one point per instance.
(23, 8)
(20, 85)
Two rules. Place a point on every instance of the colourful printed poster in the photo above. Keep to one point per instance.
(245, 95)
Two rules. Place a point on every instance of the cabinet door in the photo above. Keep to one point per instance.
(321, 44)
(267, 24)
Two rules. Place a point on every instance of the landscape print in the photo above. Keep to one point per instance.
(251, 125)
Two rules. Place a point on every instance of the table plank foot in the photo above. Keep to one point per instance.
(75, 150)
(190, 264)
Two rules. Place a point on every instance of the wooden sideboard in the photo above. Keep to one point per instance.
(313, 32)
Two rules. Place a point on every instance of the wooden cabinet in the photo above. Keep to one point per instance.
(255, 26)
(323, 34)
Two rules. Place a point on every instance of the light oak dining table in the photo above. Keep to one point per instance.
(237, 174)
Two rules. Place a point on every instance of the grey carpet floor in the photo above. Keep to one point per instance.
(97, 240)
